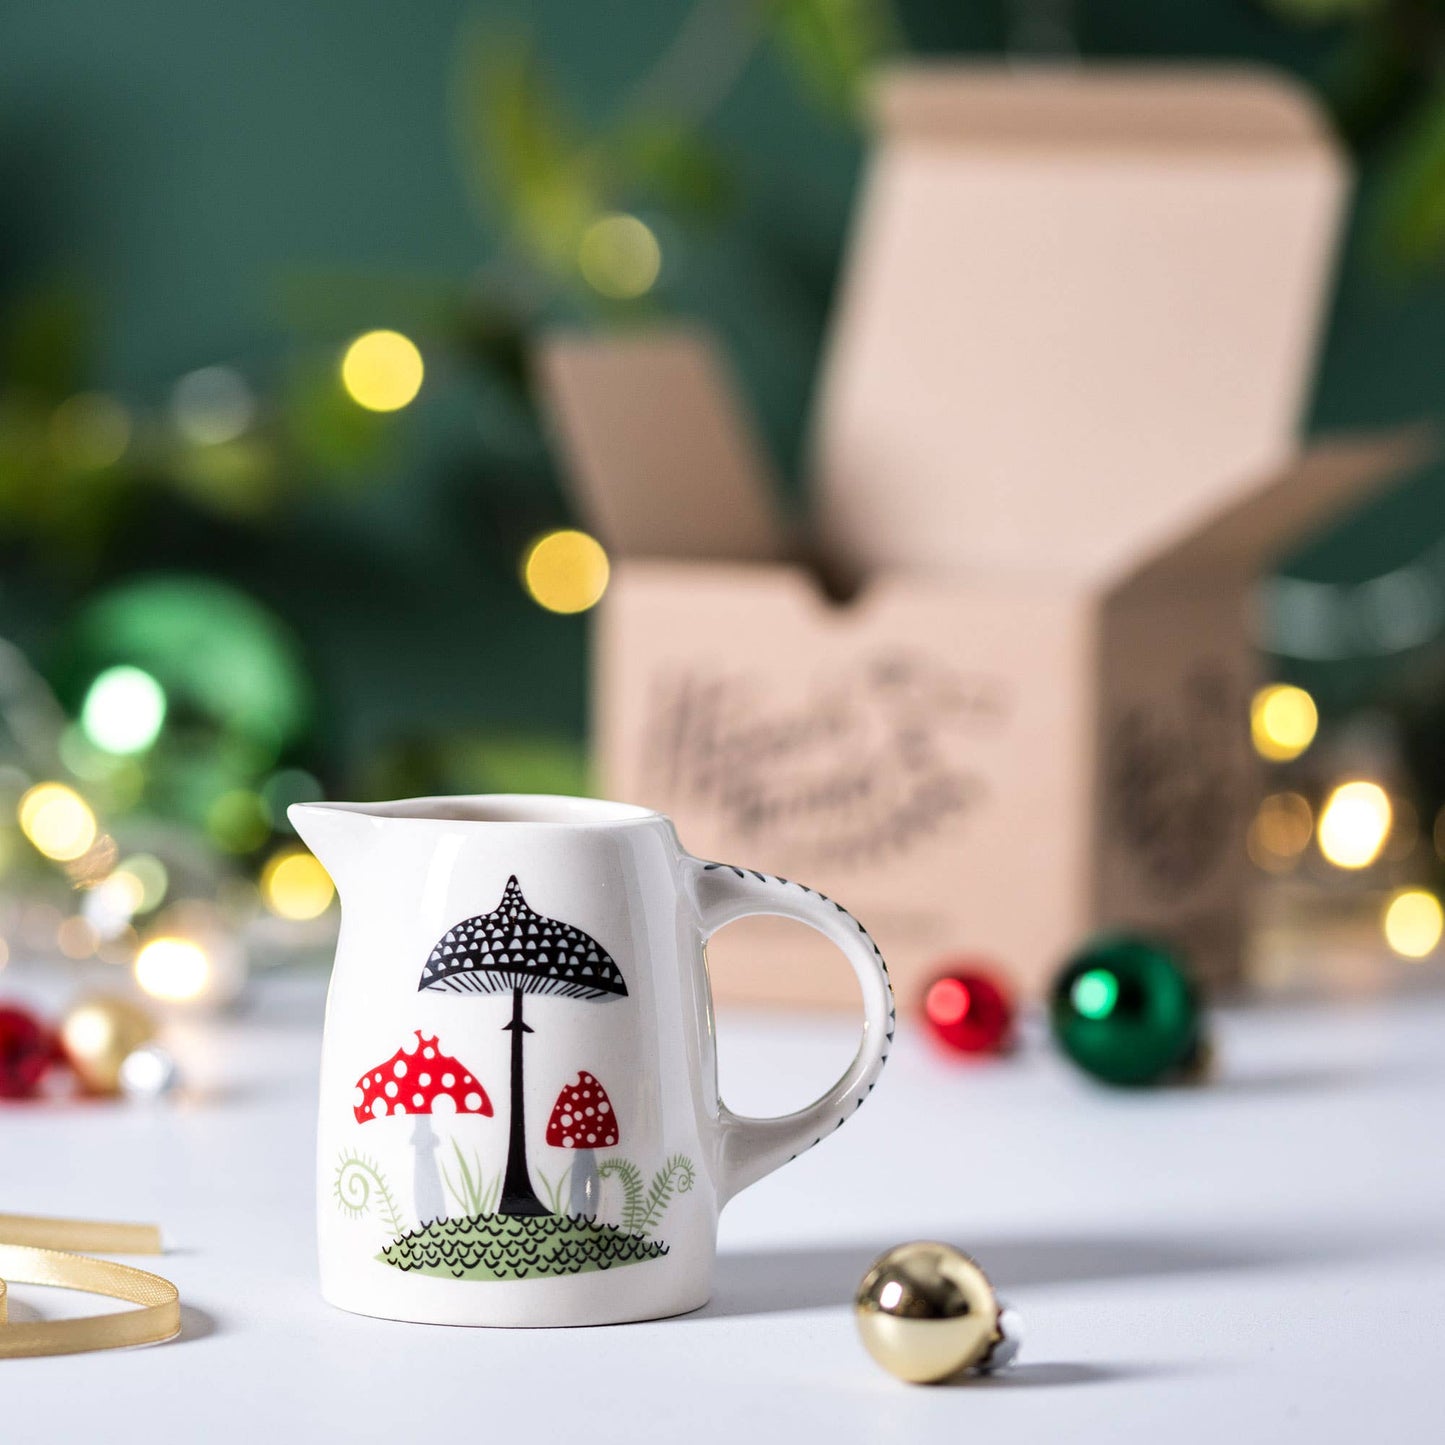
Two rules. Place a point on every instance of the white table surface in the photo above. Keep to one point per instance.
(1260, 1260)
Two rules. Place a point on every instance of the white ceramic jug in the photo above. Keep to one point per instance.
(520, 1121)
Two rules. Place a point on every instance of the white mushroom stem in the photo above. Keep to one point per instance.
(430, 1201)
(586, 1192)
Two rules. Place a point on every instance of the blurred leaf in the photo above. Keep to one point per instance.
(47, 341)
(324, 426)
(1321, 12)
(327, 303)
(63, 509)
(677, 166)
(834, 44)
(238, 479)
(1372, 81)
(492, 334)
(24, 456)
(1411, 216)
(521, 140)
(479, 763)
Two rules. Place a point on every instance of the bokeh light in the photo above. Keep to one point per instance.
(239, 821)
(288, 786)
(1283, 721)
(119, 949)
(229, 668)
(149, 874)
(1280, 831)
(113, 902)
(90, 431)
(1354, 824)
(946, 1001)
(295, 886)
(619, 257)
(1095, 993)
(57, 820)
(382, 371)
(77, 937)
(1413, 922)
(95, 863)
(175, 969)
(212, 406)
(123, 711)
(566, 571)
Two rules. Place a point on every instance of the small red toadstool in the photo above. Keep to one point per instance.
(583, 1120)
(421, 1080)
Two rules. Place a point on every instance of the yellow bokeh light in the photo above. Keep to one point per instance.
(1283, 721)
(1413, 922)
(382, 370)
(57, 820)
(147, 873)
(619, 257)
(1280, 831)
(295, 886)
(1354, 824)
(566, 571)
(173, 968)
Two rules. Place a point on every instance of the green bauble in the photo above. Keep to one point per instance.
(1125, 1011)
(192, 691)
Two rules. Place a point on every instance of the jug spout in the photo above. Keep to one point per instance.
(336, 835)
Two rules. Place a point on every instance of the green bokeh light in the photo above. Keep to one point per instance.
(124, 710)
(1095, 993)
(221, 659)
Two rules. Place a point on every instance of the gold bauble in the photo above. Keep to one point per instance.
(927, 1312)
(98, 1032)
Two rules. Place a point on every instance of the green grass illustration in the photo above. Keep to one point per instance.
(503, 1246)
(473, 1190)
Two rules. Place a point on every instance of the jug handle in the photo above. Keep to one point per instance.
(751, 1147)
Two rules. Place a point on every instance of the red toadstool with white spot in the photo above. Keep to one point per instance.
(583, 1120)
(419, 1079)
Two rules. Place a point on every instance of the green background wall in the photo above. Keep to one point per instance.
(225, 179)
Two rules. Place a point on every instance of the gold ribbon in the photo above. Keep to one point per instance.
(40, 1251)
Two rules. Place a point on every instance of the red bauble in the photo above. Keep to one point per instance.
(27, 1051)
(968, 1010)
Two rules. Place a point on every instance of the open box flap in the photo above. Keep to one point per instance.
(657, 450)
(1080, 312)
(1246, 537)
(1120, 109)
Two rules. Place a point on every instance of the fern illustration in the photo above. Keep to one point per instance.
(630, 1177)
(643, 1213)
(360, 1186)
(663, 1188)
(473, 1192)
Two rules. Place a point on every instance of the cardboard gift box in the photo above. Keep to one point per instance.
(1054, 447)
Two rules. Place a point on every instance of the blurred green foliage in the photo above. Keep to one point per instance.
(249, 191)
(1385, 84)
(835, 44)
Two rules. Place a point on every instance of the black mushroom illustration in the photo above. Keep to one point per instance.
(514, 949)
(584, 1121)
(421, 1080)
